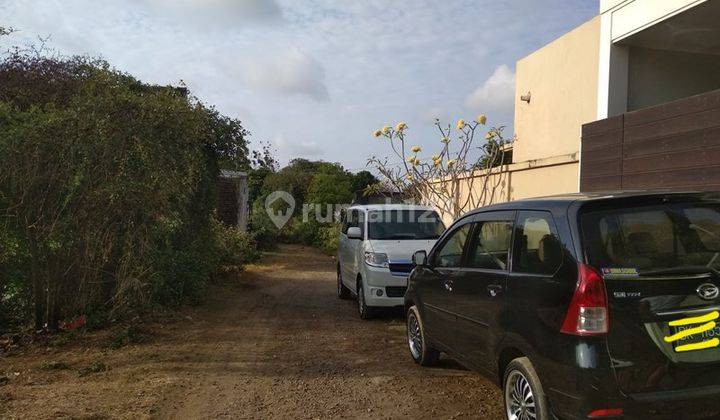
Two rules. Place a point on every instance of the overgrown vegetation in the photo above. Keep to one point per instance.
(107, 192)
(317, 187)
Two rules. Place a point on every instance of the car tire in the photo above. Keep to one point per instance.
(418, 344)
(365, 312)
(342, 291)
(523, 393)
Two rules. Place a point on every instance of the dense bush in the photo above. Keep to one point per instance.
(311, 232)
(262, 229)
(107, 191)
(327, 238)
(318, 183)
(237, 248)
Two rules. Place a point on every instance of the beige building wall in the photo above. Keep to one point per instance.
(562, 79)
(515, 182)
(548, 180)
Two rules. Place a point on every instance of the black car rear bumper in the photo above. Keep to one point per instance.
(577, 389)
(696, 403)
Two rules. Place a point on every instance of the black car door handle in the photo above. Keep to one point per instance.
(494, 289)
(448, 285)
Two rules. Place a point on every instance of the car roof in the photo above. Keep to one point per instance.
(566, 200)
(369, 207)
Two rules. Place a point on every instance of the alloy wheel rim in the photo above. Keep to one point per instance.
(414, 336)
(519, 398)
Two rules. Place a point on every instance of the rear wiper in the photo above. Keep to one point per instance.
(688, 269)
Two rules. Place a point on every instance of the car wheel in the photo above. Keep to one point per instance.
(523, 393)
(418, 344)
(364, 311)
(342, 291)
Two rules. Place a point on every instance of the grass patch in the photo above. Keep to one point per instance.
(95, 367)
(129, 335)
(54, 365)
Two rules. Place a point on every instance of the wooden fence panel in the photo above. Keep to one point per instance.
(674, 145)
(601, 157)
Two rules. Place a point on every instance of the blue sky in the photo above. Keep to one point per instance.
(315, 77)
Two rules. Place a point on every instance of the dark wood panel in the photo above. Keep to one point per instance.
(600, 183)
(603, 168)
(708, 175)
(602, 155)
(602, 141)
(603, 126)
(686, 141)
(697, 158)
(673, 126)
(674, 145)
(693, 104)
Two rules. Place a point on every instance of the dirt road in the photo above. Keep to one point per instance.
(278, 344)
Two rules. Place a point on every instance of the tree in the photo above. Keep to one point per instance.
(363, 179)
(330, 187)
(454, 179)
(297, 177)
(226, 137)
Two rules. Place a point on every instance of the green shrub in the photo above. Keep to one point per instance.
(299, 232)
(237, 248)
(94, 367)
(129, 335)
(327, 238)
(54, 365)
(262, 229)
(107, 191)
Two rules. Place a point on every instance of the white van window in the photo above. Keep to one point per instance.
(404, 224)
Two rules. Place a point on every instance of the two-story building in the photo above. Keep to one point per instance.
(642, 77)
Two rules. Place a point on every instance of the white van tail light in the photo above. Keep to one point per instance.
(588, 311)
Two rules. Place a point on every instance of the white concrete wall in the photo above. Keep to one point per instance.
(618, 20)
(606, 5)
(632, 16)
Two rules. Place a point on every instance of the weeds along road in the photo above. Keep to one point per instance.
(278, 344)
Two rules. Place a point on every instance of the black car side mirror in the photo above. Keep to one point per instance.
(419, 258)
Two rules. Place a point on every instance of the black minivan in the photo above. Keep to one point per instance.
(579, 306)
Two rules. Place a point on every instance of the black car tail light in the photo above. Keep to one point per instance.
(606, 413)
(587, 314)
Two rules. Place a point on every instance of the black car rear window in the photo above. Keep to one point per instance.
(651, 238)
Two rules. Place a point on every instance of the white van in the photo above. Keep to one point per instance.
(375, 250)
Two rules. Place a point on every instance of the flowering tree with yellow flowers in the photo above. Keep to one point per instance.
(461, 175)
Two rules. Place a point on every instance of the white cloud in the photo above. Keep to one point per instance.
(434, 113)
(293, 149)
(384, 61)
(291, 73)
(212, 14)
(496, 93)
